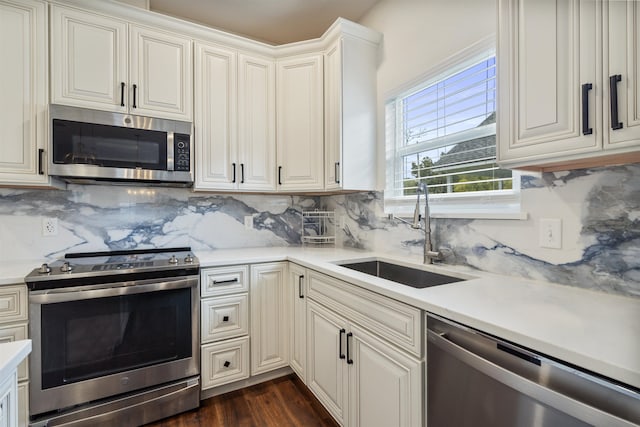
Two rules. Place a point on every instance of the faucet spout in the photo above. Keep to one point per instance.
(428, 253)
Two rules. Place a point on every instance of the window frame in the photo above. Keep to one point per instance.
(503, 204)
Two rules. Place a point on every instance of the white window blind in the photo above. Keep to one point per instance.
(443, 132)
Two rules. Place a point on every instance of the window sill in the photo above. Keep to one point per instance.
(506, 207)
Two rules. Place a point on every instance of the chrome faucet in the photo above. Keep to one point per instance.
(428, 253)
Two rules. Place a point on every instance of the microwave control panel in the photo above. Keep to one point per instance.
(182, 152)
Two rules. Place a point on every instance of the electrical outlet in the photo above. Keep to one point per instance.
(551, 233)
(49, 226)
(248, 222)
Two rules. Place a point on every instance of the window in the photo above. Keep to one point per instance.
(443, 132)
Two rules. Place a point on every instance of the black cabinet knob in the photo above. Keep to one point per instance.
(227, 364)
(225, 319)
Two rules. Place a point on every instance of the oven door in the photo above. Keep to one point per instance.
(99, 341)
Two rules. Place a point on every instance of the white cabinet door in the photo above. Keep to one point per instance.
(300, 147)
(269, 320)
(350, 114)
(215, 117)
(385, 384)
(160, 74)
(327, 373)
(9, 401)
(622, 48)
(297, 291)
(547, 51)
(257, 121)
(88, 60)
(23, 92)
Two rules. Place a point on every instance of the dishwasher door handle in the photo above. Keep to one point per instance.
(568, 405)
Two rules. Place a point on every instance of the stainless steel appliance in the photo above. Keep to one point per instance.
(115, 338)
(90, 145)
(474, 379)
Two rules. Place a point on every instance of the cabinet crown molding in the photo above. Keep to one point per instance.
(116, 9)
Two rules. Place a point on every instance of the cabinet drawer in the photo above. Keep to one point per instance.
(224, 280)
(397, 322)
(224, 317)
(225, 362)
(13, 303)
(16, 333)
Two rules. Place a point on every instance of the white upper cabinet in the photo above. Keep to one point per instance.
(256, 123)
(554, 105)
(23, 89)
(160, 74)
(215, 117)
(104, 63)
(547, 52)
(622, 72)
(88, 60)
(350, 114)
(235, 120)
(300, 148)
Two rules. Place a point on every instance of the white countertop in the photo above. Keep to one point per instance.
(12, 273)
(11, 354)
(594, 330)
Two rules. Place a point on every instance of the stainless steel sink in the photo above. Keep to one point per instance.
(401, 274)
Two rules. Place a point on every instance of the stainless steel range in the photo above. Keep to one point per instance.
(115, 338)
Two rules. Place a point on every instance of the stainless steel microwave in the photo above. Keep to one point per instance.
(93, 146)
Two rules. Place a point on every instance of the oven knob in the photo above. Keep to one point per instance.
(44, 269)
(66, 267)
(173, 260)
(188, 259)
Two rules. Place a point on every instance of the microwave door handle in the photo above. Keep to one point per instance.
(171, 159)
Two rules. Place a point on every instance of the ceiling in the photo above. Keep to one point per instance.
(271, 21)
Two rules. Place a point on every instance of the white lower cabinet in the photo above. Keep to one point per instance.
(359, 378)
(8, 402)
(297, 294)
(224, 325)
(269, 318)
(225, 362)
(13, 327)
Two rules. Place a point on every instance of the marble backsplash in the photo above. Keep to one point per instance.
(99, 218)
(599, 209)
(600, 213)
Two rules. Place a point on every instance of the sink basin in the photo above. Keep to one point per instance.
(398, 273)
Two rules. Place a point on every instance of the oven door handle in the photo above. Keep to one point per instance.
(110, 290)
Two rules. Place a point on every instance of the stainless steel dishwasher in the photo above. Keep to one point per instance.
(474, 379)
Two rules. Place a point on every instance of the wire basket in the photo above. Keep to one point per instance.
(318, 228)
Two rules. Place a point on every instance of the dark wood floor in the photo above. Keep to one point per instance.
(281, 402)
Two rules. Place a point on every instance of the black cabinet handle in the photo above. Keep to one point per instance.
(300, 278)
(227, 363)
(135, 89)
(122, 94)
(349, 359)
(279, 175)
(234, 173)
(241, 173)
(40, 161)
(337, 171)
(613, 93)
(225, 319)
(218, 282)
(586, 130)
(340, 354)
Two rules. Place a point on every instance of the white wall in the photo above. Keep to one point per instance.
(419, 34)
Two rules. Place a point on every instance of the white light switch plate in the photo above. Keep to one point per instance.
(248, 222)
(551, 233)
